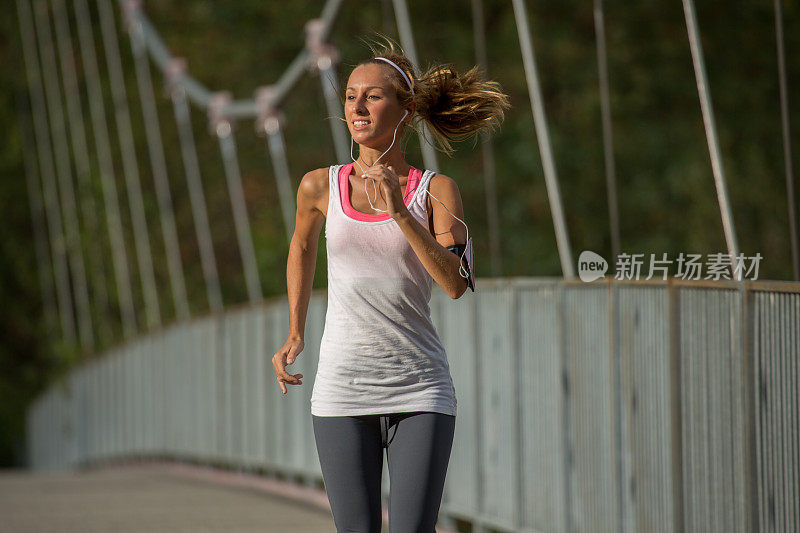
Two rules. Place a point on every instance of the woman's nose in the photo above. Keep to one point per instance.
(359, 103)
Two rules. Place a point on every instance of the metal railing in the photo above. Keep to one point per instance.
(603, 406)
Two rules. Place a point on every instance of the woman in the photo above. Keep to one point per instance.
(383, 380)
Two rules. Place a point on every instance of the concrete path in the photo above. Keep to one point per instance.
(151, 499)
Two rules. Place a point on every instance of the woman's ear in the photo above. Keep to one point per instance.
(409, 112)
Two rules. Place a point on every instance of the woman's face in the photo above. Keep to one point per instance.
(371, 107)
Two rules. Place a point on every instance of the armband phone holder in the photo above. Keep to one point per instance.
(459, 250)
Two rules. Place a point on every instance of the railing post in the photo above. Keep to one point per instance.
(676, 418)
(750, 393)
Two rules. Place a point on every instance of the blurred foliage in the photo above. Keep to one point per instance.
(667, 199)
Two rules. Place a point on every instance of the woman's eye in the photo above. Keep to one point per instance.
(351, 97)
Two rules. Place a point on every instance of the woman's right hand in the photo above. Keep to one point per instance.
(286, 356)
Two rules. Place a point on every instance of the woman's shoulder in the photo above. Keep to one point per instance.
(446, 190)
(440, 184)
(315, 181)
(314, 186)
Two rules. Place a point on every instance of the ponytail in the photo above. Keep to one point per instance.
(455, 106)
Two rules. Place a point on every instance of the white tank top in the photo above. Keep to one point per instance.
(380, 352)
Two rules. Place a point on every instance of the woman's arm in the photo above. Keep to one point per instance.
(302, 260)
(300, 267)
(431, 246)
(442, 264)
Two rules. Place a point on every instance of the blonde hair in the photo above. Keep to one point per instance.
(456, 106)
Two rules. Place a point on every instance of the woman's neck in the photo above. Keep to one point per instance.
(368, 157)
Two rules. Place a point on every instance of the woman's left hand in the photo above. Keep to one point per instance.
(389, 183)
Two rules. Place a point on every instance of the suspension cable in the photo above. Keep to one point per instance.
(103, 147)
(270, 123)
(489, 186)
(711, 134)
(543, 136)
(80, 153)
(158, 163)
(197, 198)
(222, 126)
(37, 219)
(787, 144)
(66, 190)
(407, 41)
(608, 136)
(201, 96)
(323, 58)
(130, 167)
(47, 170)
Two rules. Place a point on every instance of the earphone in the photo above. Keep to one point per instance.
(405, 114)
(465, 273)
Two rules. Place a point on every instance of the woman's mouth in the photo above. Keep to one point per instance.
(359, 125)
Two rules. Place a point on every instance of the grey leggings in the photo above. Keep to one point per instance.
(350, 452)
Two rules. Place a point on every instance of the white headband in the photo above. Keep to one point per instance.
(405, 76)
